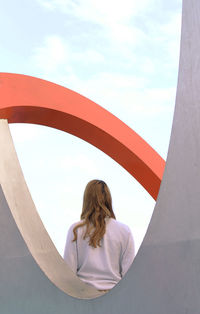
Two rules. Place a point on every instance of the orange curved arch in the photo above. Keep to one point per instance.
(26, 99)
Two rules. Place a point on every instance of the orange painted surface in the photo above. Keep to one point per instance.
(25, 99)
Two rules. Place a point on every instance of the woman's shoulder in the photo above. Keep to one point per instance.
(75, 224)
(119, 225)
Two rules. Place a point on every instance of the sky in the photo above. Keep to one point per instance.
(121, 54)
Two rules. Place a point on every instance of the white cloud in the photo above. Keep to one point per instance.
(148, 66)
(99, 11)
(89, 56)
(52, 54)
(113, 16)
(55, 56)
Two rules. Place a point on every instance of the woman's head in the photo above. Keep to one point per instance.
(97, 205)
(97, 199)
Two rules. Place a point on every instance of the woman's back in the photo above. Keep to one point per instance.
(102, 266)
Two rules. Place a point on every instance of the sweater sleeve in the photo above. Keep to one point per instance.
(70, 252)
(128, 255)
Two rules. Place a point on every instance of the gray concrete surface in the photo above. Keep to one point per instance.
(165, 276)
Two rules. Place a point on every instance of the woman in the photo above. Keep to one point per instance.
(99, 249)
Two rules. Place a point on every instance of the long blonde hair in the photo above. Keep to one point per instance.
(97, 205)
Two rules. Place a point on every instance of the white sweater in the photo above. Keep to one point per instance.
(104, 266)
